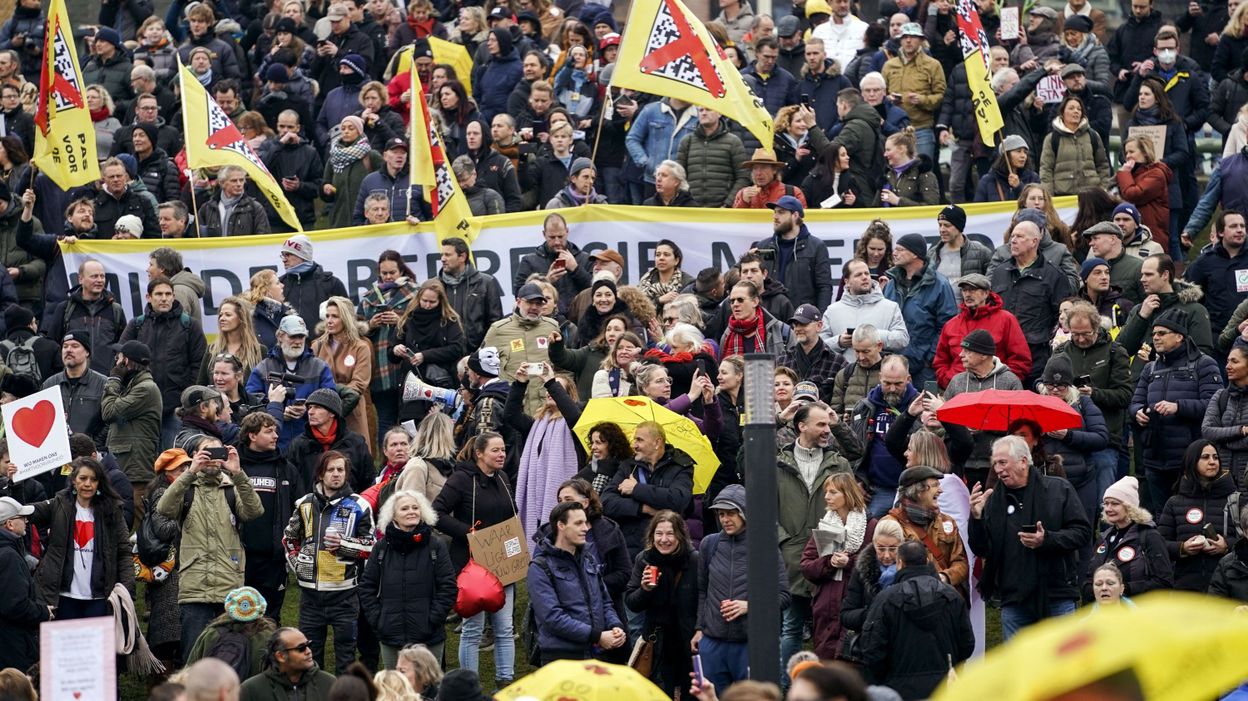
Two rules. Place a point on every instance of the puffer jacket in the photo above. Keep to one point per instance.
(1187, 377)
(722, 576)
(1140, 553)
(1223, 425)
(1012, 346)
(861, 136)
(111, 564)
(796, 522)
(860, 593)
(211, 558)
(1197, 503)
(20, 611)
(305, 291)
(315, 373)
(178, 347)
(975, 255)
(160, 175)
(1110, 369)
(927, 304)
(132, 408)
(822, 88)
(807, 275)
(570, 601)
(1230, 579)
(914, 184)
(957, 110)
(656, 135)
(408, 586)
(1076, 450)
(1216, 271)
(31, 268)
(1073, 160)
(314, 567)
(500, 76)
(853, 383)
(1186, 296)
(113, 74)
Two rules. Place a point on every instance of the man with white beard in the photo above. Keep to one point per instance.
(287, 376)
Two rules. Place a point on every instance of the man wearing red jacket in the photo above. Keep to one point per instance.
(980, 309)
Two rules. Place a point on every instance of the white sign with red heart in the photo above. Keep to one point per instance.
(37, 433)
(77, 660)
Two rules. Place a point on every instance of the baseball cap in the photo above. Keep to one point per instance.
(337, 11)
(531, 291)
(12, 508)
(396, 142)
(806, 314)
(790, 203)
(134, 350)
(292, 325)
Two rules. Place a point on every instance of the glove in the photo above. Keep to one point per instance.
(118, 371)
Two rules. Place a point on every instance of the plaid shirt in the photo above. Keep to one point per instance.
(819, 366)
(393, 298)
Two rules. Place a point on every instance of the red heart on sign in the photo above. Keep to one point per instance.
(77, 694)
(34, 424)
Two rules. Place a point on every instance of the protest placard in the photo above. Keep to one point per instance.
(77, 660)
(37, 434)
(1051, 89)
(1155, 133)
(1009, 23)
(501, 549)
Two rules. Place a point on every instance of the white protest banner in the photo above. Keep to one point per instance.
(38, 436)
(1051, 89)
(1009, 23)
(77, 660)
(707, 237)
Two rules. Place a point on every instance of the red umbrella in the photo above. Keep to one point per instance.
(996, 409)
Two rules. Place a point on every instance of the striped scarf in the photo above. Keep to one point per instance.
(343, 155)
(734, 342)
(386, 297)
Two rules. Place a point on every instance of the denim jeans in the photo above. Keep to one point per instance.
(796, 616)
(1014, 618)
(882, 499)
(195, 618)
(169, 427)
(504, 642)
(1105, 462)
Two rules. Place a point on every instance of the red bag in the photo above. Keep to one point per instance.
(479, 590)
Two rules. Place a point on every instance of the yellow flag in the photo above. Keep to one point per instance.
(429, 169)
(974, 43)
(212, 140)
(667, 51)
(448, 52)
(65, 138)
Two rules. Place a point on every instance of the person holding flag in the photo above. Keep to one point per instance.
(974, 42)
(431, 170)
(65, 136)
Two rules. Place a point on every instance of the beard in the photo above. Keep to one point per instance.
(893, 398)
(290, 352)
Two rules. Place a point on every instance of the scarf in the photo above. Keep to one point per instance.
(100, 115)
(1079, 54)
(304, 267)
(199, 423)
(511, 152)
(389, 472)
(407, 541)
(420, 326)
(130, 641)
(734, 343)
(205, 79)
(227, 210)
(855, 527)
(918, 515)
(419, 28)
(343, 155)
(592, 320)
(387, 296)
(888, 575)
(548, 458)
(327, 436)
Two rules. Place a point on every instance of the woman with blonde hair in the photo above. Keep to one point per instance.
(614, 377)
(1150, 185)
(432, 457)
(1131, 541)
(846, 513)
(873, 572)
(236, 336)
(471, 29)
(550, 453)
(268, 305)
(431, 337)
(101, 107)
(393, 686)
(349, 355)
(381, 123)
(1231, 45)
(421, 669)
(1036, 196)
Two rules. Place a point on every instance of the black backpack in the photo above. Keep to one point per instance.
(234, 649)
(21, 358)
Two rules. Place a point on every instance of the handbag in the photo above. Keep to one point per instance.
(642, 658)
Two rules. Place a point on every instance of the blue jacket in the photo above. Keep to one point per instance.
(778, 90)
(822, 90)
(569, 599)
(400, 190)
(1186, 377)
(926, 306)
(342, 101)
(501, 75)
(656, 135)
(1215, 271)
(315, 373)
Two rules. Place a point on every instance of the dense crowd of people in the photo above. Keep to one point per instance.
(288, 455)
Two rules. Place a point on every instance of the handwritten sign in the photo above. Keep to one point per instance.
(38, 437)
(1009, 23)
(1155, 133)
(502, 549)
(1051, 89)
(78, 660)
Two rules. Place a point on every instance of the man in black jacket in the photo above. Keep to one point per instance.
(307, 284)
(799, 260)
(325, 418)
(344, 39)
(92, 309)
(659, 477)
(564, 265)
(1029, 528)
(475, 296)
(297, 166)
(21, 613)
(915, 628)
(81, 387)
(115, 199)
(273, 479)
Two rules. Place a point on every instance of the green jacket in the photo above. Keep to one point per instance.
(1109, 366)
(1186, 296)
(346, 187)
(1124, 273)
(258, 633)
(32, 269)
(272, 685)
(1076, 160)
(133, 413)
(520, 341)
(210, 557)
(797, 523)
(1231, 332)
(713, 165)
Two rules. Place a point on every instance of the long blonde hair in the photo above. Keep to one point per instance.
(346, 312)
(393, 686)
(260, 284)
(250, 352)
(1238, 23)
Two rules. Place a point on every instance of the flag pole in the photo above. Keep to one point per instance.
(199, 233)
(602, 114)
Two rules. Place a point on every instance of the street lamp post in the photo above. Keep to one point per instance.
(759, 454)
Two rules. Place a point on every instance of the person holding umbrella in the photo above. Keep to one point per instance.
(983, 371)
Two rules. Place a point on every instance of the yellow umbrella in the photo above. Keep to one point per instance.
(627, 412)
(1172, 646)
(583, 680)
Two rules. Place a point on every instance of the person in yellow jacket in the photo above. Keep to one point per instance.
(524, 337)
(916, 81)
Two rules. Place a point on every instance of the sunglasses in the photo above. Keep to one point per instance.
(301, 647)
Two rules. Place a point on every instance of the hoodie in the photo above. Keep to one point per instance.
(188, 289)
(852, 311)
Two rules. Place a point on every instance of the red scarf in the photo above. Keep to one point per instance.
(738, 331)
(422, 29)
(326, 437)
(100, 115)
(389, 472)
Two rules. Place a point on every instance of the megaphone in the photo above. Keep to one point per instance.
(416, 389)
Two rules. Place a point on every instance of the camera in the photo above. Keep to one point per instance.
(285, 379)
(767, 253)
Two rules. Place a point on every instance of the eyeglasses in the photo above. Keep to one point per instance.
(1167, 332)
(301, 647)
(738, 300)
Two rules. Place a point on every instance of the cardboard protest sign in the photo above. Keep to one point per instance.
(77, 660)
(1009, 23)
(1051, 89)
(502, 549)
(37, 434)
(1155, 133)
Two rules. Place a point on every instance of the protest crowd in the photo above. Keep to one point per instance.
(345, 449)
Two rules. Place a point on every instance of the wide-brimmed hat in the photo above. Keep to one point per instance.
(763, 157)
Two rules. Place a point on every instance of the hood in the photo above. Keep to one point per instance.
(1058, 126)
(876, 396)
(1220, 487)
(188, 279)
(862, 300)
(772, 287)
(866, 113)
(925, 605)
(496, 390)
(545, 252)
(14, 210)
(998, 368)
(1188, 292)
(988, 308)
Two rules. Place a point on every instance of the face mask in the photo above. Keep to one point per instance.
(352, 78)
(1168, 56)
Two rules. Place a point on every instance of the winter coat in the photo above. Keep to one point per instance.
(540, 260)
(1215, 271)
(776, 89)
(211, 558)
(656, 134)
(570, 601)
(1012, 346)
(160, 175)
(852, 311)
(670, 610)
(860, 592)
(944, 543)
(305, 451)
(779, 336)
(722, 576)
(111, 564)
(272, 685)
(1186, 296)
(1023, 576)
(923, 75)
(274, 481)
(108, 209)
(113, 74)
(822, 88)
(81, 398)
(1230, 579)
(853, 383)
(494, 504)
(20, 609)
(496, 172)
(31, 268)
(927, 303)
(500, 77)
(1110, 369)
(521, 341)
(132, 408)
(28, 23)
(477, 298)
(248, 217)
(103, 319)
(1072, 160)
(669, 485)
(861, 136)
(352, 366)
(1198, 502)
(347, 186)
(408, 587)
(796, 169)
(304, 292)
(258, 633)
(483, 201)
(315, 373)
(829, 591)
(1141, 555)
(316, 568)
(299, 161)
(1032, 295)
(957, 110)
(808, 274)
(1223, 424)
(1076, 450)
(994, 186)
(975, 256)
(404, 197)
(801, 507)
(178, 346)
(914, 630)
(1148, 187)
(1187, 377)
(1229, 95)
(583, 363)
(1189, 94)
(914, 184)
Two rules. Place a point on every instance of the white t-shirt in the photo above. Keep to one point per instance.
(82, 550)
